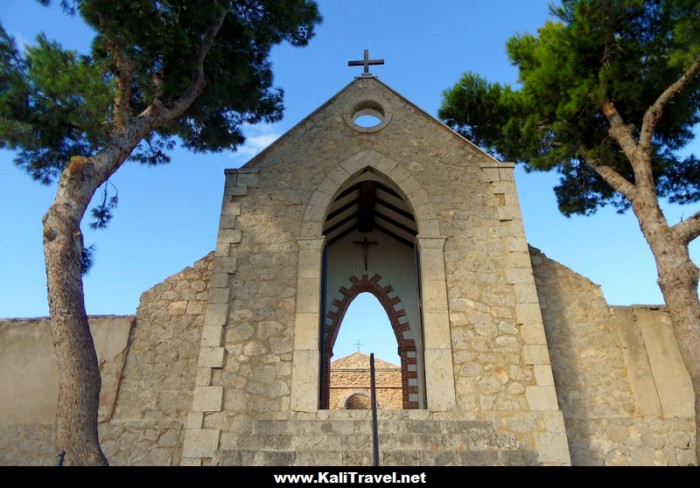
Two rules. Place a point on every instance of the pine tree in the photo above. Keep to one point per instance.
(159, 72)
(608, 97)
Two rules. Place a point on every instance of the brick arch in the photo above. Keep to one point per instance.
(399, 324)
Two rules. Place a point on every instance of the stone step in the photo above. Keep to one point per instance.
(347, 441)
(387, 441)
(365, 458)
(354, 426)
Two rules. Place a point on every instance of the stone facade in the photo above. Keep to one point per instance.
(483, 354)
(507, 358)
(350, 382)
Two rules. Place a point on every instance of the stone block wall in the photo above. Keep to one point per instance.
(485, 352)
(29, 382)
(611, 385)
(624, 394)
(245, 357)
(148, 366)
(156, 390)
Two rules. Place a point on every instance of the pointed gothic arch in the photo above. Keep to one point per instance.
(399, 323)
(306, 394)
(315, 214)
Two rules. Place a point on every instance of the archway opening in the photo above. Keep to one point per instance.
(365, 329)
(370, 235)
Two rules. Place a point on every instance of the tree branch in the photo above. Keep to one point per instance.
(654, 113)
(614, 179)
(126, 138)
(688, 229)
(155, 112)
(621, 132)
(125, 76)
(624, 136)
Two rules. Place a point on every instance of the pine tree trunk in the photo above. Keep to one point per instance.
(78, 370)
(678, 280)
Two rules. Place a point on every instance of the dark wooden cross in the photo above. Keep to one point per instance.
(366, 62)
(358, 344)
(365, 248)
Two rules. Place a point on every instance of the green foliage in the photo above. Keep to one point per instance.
(102, 213)
(87, 259)
(623, 51)
(55, 104)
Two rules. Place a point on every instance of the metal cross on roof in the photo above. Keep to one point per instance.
(366, 62)
(358, 344)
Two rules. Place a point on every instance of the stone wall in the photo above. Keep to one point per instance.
(624, 391)
(148, 366)
(155, 395)
(29, 381)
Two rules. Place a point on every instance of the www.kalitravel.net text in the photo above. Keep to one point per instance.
(350, 477)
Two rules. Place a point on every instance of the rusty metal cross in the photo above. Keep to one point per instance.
(366, 62)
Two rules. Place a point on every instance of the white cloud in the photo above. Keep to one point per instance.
(257, 138)
(21, 42)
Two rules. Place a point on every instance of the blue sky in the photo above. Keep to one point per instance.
(168, 216)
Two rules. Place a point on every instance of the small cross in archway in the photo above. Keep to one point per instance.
(365, 249)
(358, 344)
(366, 62)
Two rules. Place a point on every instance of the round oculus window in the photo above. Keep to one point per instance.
(368, 115)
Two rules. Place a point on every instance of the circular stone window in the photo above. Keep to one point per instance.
(368, 115)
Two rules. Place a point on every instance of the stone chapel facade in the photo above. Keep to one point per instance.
(507, 357)
(350, 384)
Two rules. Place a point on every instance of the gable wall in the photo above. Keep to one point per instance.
(493, 342)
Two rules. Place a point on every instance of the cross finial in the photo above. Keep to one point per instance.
(358, 344)
(366, 62)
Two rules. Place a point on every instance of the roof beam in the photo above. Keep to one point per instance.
(368, 190)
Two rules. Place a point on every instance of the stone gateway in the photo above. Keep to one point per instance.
(506, 357)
